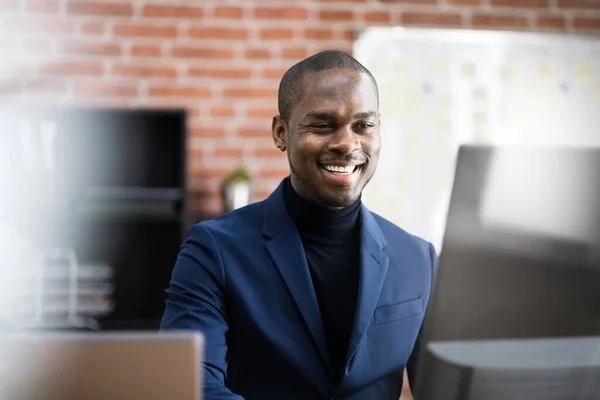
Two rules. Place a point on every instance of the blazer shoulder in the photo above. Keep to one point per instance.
(395, 234)
(234, 223)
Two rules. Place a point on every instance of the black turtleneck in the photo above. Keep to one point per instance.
(330, 239)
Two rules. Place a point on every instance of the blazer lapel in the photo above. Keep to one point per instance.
(285, 249)
(373, 269)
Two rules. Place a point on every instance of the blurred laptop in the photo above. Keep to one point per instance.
(515, 311)
(101, 366)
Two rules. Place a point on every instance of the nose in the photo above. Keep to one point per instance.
(344, 142)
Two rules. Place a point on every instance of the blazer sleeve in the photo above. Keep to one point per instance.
(196, 301)
(412, 365)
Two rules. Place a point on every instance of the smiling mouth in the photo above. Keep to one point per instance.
(339, 170)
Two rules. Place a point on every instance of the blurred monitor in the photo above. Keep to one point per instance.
(515, 310)
(115, 366)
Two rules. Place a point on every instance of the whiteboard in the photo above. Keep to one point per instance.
(442, 88)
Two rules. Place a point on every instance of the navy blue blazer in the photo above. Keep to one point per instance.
(243, 281)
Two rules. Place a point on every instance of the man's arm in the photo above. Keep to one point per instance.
(196, 302)
(412, 364)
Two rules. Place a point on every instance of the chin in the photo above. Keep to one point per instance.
(339, 201)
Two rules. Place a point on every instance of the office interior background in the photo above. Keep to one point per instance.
(122, 120)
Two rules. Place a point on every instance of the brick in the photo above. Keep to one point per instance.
(39, 26)
(318, 34)
(71, 68)
(268, 152)
(42, 6)
(212, 170)
(218, 32)
(272, 163)
(431, 19)
(142, 50)
(93, 27)
(274, 73)
(294, 52)
(257, 54)
(253, 93)
(281, 13)
(202, 52)
(465, 2)
(350, 35)
(228, 12)
(276, 33)
(551, 22)
(78, 47)
(194, 111)
(225, 73)
(377, 16)
(207, 191)
(521, 3)
(137, 30)
(579, 4)
(164, 11)
(259, 195)
(222, 112)
(336, 15)
(146, 71)
(418, 2)
(253, 132)
(206, 207)
(180, 91)
(100, 8)
(343, 48)
(229, 152)
(586, 23)
(274, 173)
(208, 131)
(103, 89)
(262, 112)
(498, 21)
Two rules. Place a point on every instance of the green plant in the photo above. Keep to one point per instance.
(240, 174)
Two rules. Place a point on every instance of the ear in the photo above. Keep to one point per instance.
(280, 133)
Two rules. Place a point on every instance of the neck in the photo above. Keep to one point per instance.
(311, 218)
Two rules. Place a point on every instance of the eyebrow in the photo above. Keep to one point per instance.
(326, 115)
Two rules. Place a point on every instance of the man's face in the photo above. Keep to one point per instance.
(332, 137)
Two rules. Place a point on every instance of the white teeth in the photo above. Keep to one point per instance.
(340, 170)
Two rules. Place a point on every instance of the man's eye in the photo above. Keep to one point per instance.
(363, 127)
(321, 126)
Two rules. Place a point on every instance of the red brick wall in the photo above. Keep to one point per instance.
(222, 60)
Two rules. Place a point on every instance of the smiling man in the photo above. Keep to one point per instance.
(308, 294)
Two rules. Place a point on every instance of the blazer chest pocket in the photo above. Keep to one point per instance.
(396, 312)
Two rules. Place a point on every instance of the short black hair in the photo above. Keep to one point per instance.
(290, 87)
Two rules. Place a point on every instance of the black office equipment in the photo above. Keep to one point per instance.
(515, 312)
(111, 200)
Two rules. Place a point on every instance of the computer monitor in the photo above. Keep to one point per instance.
(100, 366)
(515, 310)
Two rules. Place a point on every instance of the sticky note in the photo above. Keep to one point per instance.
(440, 67)
(546, 67)
(479, 118)
(480, 93)
(443, 127)
(402, 67)
(506, 72)
(583, 71)
(468, 70)
(443, 101)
